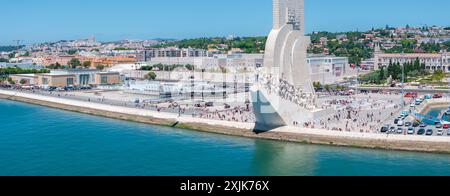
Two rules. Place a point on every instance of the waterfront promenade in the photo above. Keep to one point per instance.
(292, 134)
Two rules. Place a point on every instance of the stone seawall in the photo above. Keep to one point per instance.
(434, 103)
(290, 134)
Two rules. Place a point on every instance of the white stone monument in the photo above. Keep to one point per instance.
(284, 94)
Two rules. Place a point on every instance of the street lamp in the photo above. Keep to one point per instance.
(203, 85)
(357, 79)
(403, 79)
(323, 74)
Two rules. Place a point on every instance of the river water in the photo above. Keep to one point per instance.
(37, 140)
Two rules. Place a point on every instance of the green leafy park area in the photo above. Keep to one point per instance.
(411, 72)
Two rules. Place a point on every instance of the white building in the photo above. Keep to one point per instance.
(433, 62)
(328, 69)
(21, 65)
(248, 61)
(323, 68)
(149, 54)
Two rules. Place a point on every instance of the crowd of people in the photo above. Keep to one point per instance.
(237, 114)
(358, 113)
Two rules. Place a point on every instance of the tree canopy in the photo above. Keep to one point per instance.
(15, 70)
(163, 67)
(150, 76)
(74, 63)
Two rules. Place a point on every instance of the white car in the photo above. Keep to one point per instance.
(411, 131)
(440, 132)
(400, 123)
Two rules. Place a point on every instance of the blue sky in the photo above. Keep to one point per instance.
(50, 20)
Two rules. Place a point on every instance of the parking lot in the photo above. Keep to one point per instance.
(409, 129)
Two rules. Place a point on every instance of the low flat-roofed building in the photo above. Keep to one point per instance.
(56, 80)
(63, 78)
(107, 78)
(29, 79)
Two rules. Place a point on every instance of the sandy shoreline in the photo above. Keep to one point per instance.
(291, 134)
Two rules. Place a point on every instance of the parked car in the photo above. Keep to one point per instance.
(411, 95)
(408, 124)
(416, 124)
(421, 132)
(440, 132)
(400, 130)
(438, 125)
(69, 88)
(392, 130)
(400, 123)
(423, 125)
(396, 120)
(429, 132)
(437, 96)
(411, 131)
(448, 132)
(384, 129)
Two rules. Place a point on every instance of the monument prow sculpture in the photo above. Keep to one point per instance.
(284, 94)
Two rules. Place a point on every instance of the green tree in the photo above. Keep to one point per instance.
(397, 71)
(146, 68)
(381, 75)
(327, 87)
(74, 63)
(100, 67)
(189, 67)
(58, 66)
(12, 55)
(11, 81)
(446, 45)
(87, 64)
(438, 75)
(317, 85)
(72, 52)
(390, 69)
(150, 76)
(22, 82)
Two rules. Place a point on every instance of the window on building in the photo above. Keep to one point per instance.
(104, 79)
(69, 81)
(44, 81)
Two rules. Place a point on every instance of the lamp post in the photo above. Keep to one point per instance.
(357, 79)
(203, 85)
(403, 79)
(323, 74)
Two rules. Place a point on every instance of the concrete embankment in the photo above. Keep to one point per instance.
(291, 134)
(433, 103)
